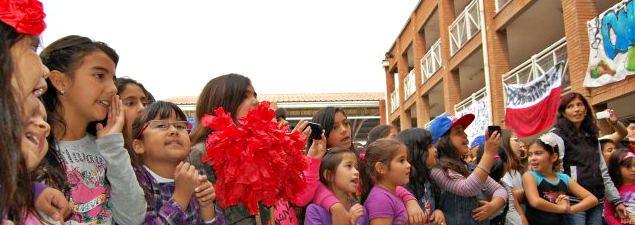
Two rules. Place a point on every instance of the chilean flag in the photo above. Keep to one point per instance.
(532, 107)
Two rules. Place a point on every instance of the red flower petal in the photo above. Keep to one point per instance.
(256, 162)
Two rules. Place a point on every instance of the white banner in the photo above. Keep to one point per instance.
(478, 127)
(611, 40)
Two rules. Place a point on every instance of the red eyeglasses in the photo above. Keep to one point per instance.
(181, 126)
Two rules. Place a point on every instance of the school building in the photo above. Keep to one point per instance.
(452, 53)
(364, 110)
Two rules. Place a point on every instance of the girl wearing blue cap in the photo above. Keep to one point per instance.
(461, 183)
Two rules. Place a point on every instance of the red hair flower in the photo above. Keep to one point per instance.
(257, 161)
(25, 16)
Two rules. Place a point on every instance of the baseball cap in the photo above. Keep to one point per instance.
(445, 122)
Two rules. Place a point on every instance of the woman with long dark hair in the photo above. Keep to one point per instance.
(577, 136)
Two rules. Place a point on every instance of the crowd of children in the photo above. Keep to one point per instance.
(82, 146)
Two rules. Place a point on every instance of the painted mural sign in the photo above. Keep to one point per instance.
(612, 45)
(481, 120)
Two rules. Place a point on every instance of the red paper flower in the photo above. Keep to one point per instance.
(25, 16)
(256, 162)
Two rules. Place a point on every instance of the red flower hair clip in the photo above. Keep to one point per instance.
(25, 16)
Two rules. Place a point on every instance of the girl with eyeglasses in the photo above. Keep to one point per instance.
(175, 191)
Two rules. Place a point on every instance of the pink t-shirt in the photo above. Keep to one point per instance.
(381, 203)
(627, 193)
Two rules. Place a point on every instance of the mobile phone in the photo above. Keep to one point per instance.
(602, 115)
(491, 129)
(316, 131)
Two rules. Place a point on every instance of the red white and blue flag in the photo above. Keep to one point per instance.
(532, 107)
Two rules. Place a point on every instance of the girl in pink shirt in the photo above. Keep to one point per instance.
(622, 171)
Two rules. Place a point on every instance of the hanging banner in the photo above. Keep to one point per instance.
(481, 120)
(532, 107)
(611, 40)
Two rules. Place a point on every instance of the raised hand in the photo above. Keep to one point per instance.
(186, 179)
(115, 120)
(318, 148)
(492, 141)
(205, 193)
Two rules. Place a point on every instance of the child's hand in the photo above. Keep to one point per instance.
(485, 211)
(53, 203)
(356, 212)
(492, 142)
(303, 127)
(437, 217)
(415, 213)
(115, 119)
(185, 180)
(318, 148)
(563, 202)
(622, 212)
(205, 193)
(339, 215)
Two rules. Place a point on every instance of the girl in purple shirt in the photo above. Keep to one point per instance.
(338, 172)
(385, 166)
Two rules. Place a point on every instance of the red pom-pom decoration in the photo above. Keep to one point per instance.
(257, 161)
(25, 16)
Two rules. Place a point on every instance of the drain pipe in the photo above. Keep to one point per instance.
(490, 110)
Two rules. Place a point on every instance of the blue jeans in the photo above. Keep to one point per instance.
(593, 216)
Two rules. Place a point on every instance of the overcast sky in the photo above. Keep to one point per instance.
(285, 46)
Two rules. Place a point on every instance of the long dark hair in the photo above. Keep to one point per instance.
(417, 142)
(122, 84)
(513, 160)
(588, 130)
(16, 196)
(227, 91)
(326, 117)
(380, 151)
(329, 164)
(448, 158)
(65, 55)
(158, 110)
(616, 161)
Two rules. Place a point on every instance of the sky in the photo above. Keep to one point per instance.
(284, 46)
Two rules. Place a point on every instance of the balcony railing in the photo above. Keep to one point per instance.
(431, 62)
(465, 104)
(541, 63)
(394, 100)
(466, 25)
(500, 4)
(409, 84)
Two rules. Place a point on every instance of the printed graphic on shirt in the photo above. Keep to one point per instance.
(90, 192)
(628, 198)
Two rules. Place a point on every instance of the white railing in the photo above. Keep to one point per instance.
(465, 104)
(466, 25)
(541, 63)
(500, 4)
(394, 100)
(431, 62)
(409, 84)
